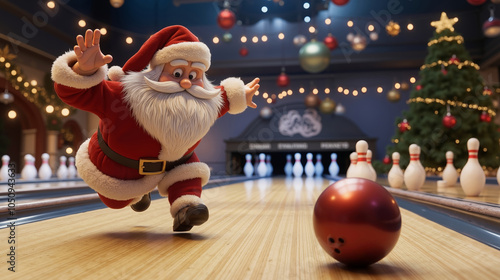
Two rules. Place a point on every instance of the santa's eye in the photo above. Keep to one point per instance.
(177, 73)
(192, 75)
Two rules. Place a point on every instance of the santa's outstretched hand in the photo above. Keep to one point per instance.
(88, 53)
(250, 90)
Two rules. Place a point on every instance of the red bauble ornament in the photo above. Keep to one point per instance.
(487, 91)
(357, 221)
(485, 117)
(243, 51)
(226, 19)
(449, 121)
(404, 126)
(331, 42)
(340, 2)
(476, 2)
(418, 87)
(283, 80)
(454, 59)
(444, 71)
(386, 160)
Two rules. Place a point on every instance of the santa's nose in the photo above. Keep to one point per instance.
(185, 83)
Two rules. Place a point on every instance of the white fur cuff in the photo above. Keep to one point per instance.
(183, 201)
(64, 75)
(184, 172)
(235, 91)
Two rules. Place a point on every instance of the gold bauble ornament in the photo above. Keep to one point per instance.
(312, 100)
(405, 86)
(393, 95)
(327, 106)
(393, 28)
(314, 56)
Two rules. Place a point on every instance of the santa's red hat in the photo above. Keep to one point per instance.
(170, 43)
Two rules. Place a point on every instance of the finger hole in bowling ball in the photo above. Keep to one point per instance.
(337, 250)
(341, 240)
(331, 240)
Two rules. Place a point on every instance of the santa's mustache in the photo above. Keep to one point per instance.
(173, 87)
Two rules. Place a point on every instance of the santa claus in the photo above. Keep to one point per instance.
(153, 113)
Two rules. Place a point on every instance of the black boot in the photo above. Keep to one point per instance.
(189, 216)
(142, 204)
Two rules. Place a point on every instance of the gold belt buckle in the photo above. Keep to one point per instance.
(141, 166)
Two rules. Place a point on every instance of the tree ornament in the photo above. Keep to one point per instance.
(449, 121)
(487, 91)
(227, 37)
(491, 27)
(443, 70)
(387, 160)
(339, 109)
(358, 42)
(331, 42)
(485, 117)
(476, 2)
(226, 19)
(327, 106)
(299, 40)
(314, 56)
(283, 80)
(312, 100)
(444, 23)
(340, 2)
(393, 95)
(418, 87)
(243, 51)
(393, 28)
(454, 59)
(404, 126)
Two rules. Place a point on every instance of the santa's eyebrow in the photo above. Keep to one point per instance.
(199, 65)
(177, 62)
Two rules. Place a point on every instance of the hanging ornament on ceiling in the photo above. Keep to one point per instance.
(312, 100)
(283, 79)
(358, 42)
(266, 112)
(340, 2)
(339, 109)
(327, 106)
(454, 59)
(443, 70)
(449, 120)
(393, 28)
(314, 56)
(331, 42)
(299, 40)
(487, 91)
(393, 95)
(116, 3)
(405, 86)
(243, 51)
(491, 27)
(227, 37)
(404, 126)
(6, 97)
(485, 117)
(476, 2)
(226, 19)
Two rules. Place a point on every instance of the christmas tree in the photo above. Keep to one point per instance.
(449, 105)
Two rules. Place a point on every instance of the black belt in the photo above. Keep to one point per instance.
(144, 166)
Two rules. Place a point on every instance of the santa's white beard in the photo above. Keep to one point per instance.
(176, 120)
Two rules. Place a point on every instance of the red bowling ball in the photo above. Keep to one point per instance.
(357, 221)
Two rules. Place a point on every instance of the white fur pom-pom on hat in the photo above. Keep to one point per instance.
(115, 73)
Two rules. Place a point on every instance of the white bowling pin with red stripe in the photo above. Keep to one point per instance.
(45, 172)
(334, 167)
(71, 168)
(248, 167)
(4, 171)
(288, 165)
(362, 169)
(309, 167)
(369, 162)
(62, 171)
(450, 174)
(395, 175)
(29, 171)
(353, 157)
(297, 168)
(262, 167)
(472, 177)
(414, 175)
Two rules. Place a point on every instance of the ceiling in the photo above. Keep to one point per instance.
(53, 31)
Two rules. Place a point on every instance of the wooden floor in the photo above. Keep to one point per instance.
(260, 229)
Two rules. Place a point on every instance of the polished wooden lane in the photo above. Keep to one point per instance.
(258, 229)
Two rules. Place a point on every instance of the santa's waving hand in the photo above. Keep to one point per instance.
(153, 113)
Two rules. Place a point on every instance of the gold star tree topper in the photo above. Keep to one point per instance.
(444, 23)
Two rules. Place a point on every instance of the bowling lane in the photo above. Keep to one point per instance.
(257, 229)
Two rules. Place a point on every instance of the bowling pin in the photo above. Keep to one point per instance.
(318, 167)
(395, 175)
(334, 167)
(62, 171)
(309, 167)
(262, 168)
(269, 165)
(29, 171)
(45, 172)
(362, 169)
(297, 168)
(353, 157)
(414, 175)
(4, 171)
(450, 174)
(369, 162)
(472, 177)
(248, 168)
(288, 166)
(71, 168)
